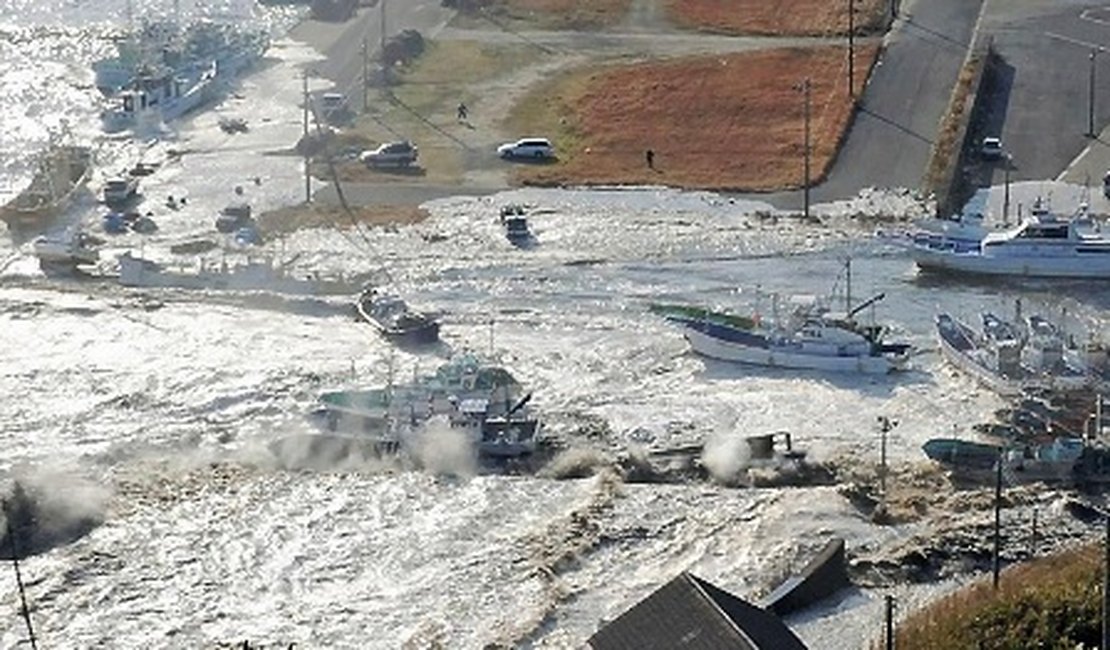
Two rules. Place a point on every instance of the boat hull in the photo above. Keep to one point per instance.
(420, 330)
(783, 357)
(1093, 266)
(136, 272)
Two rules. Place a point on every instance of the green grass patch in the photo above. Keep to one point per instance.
(422, 104)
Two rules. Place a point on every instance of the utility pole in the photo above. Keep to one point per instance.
(851, 49)
(304, 139)
(805, 187)
(1106, 590)
(1007, 159)
(26, 613)
(1091, 97)
(997, 564)
(889, 636)
(381, 46)
(365, 72)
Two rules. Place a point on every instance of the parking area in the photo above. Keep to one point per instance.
(1041, 101)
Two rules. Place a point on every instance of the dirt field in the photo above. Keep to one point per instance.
(727, 122)
(777, 17)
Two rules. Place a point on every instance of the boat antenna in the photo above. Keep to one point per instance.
(25, 612)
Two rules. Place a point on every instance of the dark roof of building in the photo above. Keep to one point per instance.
(689, 613)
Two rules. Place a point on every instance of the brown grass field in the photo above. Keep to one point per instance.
(729, 122)
(1053, 602)
(778, 17)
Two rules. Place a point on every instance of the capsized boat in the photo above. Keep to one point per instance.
(393, 318)
(61, 170)
(249, 275)
(1043, 245)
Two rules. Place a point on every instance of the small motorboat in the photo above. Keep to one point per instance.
(395, 320)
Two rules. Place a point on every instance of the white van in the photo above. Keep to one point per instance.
(332, 103)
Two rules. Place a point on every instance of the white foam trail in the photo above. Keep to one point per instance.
(445, 450)
(726, 456)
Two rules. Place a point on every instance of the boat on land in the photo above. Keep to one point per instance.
(61, 171)
(159, 96)
(1043, 245)
(1007, 360)
(810, 336)
(1054, 461)
(249, 275)
(160, 44)
(395, 320)
(65, 253)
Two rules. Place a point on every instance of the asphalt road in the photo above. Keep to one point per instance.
(342, 43)
(891, 140)
(1040, 104)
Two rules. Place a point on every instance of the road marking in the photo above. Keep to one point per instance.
(1088, 15)
(1075, 41)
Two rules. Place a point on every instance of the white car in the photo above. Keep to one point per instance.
(527, 148)
(991, 148)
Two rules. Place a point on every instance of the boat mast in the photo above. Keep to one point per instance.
(848, 284)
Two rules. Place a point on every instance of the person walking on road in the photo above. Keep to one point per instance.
(461, 112)
(649, 155)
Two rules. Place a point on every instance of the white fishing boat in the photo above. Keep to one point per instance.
(810, 343)
(249, 275)
(159, 96)
(809, 336)
(1043, 245)
(170, 44)
(61, 171)
(66, 252)
(1007, 360)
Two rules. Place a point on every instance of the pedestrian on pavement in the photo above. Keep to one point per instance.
(461, 113)
(649, 155)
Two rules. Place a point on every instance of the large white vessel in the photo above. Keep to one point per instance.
(1042, 246)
